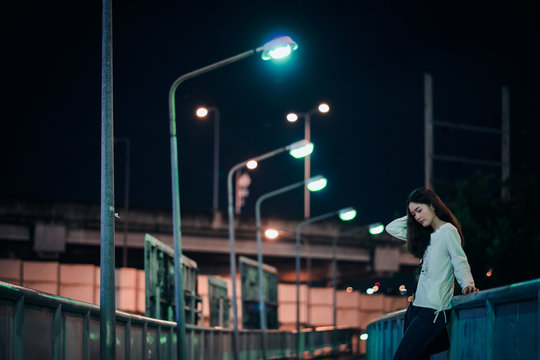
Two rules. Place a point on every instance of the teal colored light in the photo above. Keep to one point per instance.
(375, 229)
(280, 52)
(302, 151)
(316, 183)
(278, 48)
(347, 214)
(364, 336)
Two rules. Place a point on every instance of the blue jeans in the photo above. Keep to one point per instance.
(423, 337)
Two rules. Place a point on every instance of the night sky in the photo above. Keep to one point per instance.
(366, 59)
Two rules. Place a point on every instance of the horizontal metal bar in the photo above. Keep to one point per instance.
(468, 127)
(466, 160)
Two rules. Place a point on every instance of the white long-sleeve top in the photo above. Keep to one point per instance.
(444, 258)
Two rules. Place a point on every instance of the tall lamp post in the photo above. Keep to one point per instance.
(374, 229)
(314, 184)
(323, 108)
(274, 49)
(201, 113)
(298, 149)
(344, 214)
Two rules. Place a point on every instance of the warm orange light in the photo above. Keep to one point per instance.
(324, 108)
(201, 112)
(271, 233)
(375, 288)
(292, 117)
(490, 271)
(349, 290)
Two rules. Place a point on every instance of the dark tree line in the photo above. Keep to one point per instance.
(501, 236)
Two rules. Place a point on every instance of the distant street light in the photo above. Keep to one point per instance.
(201, 113)
(276, 48)
(271, 234)
(341, 213)
(262, 307)
(347, 214)
(252, 164)
(232, 257)
(323, 108)
(375, 228)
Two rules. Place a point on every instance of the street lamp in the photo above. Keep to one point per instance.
(345, 215)
(373, 229)
(201, 113)
(297, 146)
(275, 48)
(262, 313)
(323, 108)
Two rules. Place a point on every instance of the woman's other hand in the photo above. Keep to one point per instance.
(470, 289)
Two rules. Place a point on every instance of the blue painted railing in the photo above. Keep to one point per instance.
(35, 325)
(500, 323)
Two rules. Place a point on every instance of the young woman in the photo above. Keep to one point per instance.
(433, 235)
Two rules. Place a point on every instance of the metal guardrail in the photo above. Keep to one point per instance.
(500, 323)
(35, 325)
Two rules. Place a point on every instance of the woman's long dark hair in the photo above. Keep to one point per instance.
(418, 237)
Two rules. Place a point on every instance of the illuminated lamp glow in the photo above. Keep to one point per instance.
(376, 228)
(201, 112)
(316, 183)
(324, 108)
(369, 291)
(347, 214)
(278, 48)
(302, 151)
(280, 52)
(349, 290)
(271, 233)
(251, 164)
(364, 336)
(292, 117)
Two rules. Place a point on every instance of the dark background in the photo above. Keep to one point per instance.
(366, 59)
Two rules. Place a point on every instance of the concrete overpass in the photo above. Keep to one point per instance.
(69, 232)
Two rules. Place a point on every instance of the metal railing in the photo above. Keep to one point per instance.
(500, 323)
(35, 325)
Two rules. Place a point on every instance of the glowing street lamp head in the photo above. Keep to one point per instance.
(300, 149)
(347, 214)
(376, 228)
(278, 48)
(201, 112)
(292, 117)
(324, 108)
(251, 164)
(271, 233)
(316, 183)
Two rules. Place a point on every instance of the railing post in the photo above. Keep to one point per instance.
(18, 330)
(57, 333)
(490, 326)
(86, 335)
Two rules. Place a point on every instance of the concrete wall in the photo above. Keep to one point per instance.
(82, 282)
(75, 281)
